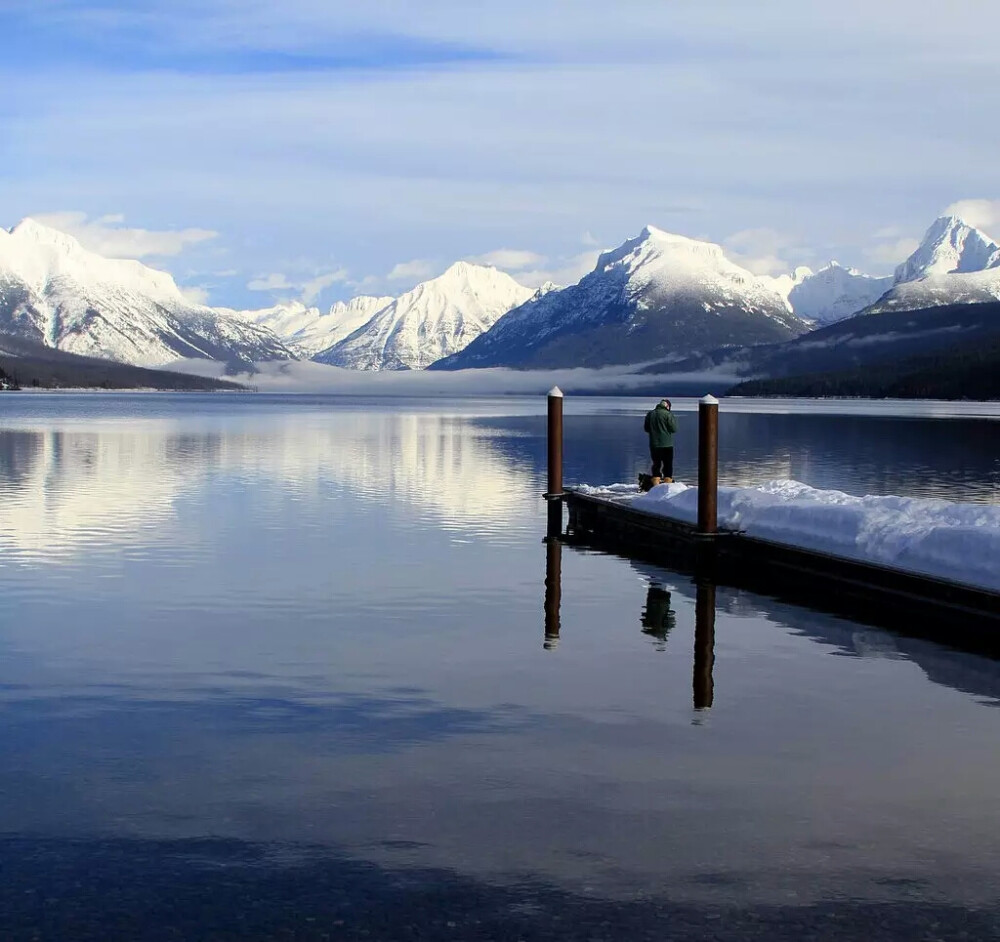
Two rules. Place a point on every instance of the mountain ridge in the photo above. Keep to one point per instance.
(308, 330)
(655, 293)
(954, 263)
(434, 319)
(55, 292)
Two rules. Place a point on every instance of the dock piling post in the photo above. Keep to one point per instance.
(554, 494)
(708, 465)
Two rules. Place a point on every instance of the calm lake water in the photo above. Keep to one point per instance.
(276, 667)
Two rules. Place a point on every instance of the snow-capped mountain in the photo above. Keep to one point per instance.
(954, 264)
(308, 330)
(830, 294)
(656, 295)
(437, 318)
(949, 246)
(54, 292)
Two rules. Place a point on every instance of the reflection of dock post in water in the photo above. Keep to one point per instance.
(704, 644)
(553, 590)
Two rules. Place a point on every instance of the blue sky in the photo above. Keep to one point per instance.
(319, 149)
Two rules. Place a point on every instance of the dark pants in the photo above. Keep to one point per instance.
(663, 458)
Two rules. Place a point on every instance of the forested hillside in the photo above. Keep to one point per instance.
(967, 372)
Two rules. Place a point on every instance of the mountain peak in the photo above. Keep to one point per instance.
(142, 316)
(654, 245)
(361, 302)
(832, 293)
(435, 319)
(949, 246)
(29, 226)
(33, 231)
(656, 294)
(463, 276)
(651, 233)
(948, 221)
(464, 269)
(546, 288)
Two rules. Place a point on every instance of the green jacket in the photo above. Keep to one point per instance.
(661, 424)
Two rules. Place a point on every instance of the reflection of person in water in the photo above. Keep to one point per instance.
(658, 617)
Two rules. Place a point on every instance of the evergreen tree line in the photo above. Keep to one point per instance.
(964, 372)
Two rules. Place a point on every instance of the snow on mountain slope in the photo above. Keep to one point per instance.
(783, 284)
(954, 264)
(655, 295)
(835, 292)
(307, 330)
(972, 287)
(950, 245)
(437, 318)
(55, 292)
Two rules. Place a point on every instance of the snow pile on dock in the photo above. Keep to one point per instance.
(955, 541)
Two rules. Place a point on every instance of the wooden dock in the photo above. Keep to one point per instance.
(930, 607)
(950, 612)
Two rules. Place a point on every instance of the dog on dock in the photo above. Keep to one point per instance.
(647, 482)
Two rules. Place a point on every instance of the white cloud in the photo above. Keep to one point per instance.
(195, 294)
(107, 236)
(893, 252)
(273, 282)
(307, 289)
(415, 270)
(764, 251)
(565, 271)
(312, 288)
(510, 259)
(888, 232)
(979, 213)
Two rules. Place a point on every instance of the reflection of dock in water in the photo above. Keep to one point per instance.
(657, 619)
(704, 645)
(960, 616)
(553, 591)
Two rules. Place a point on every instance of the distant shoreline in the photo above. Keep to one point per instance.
(987, 410)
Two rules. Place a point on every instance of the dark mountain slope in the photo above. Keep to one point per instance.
(865, 341)
(967, 371)
(33, 364)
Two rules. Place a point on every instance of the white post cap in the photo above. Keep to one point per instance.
(709, 400)
(556, 393)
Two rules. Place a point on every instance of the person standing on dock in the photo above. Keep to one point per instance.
(660, 425)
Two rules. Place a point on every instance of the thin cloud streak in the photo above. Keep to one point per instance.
(109, 236)
(118, 38)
